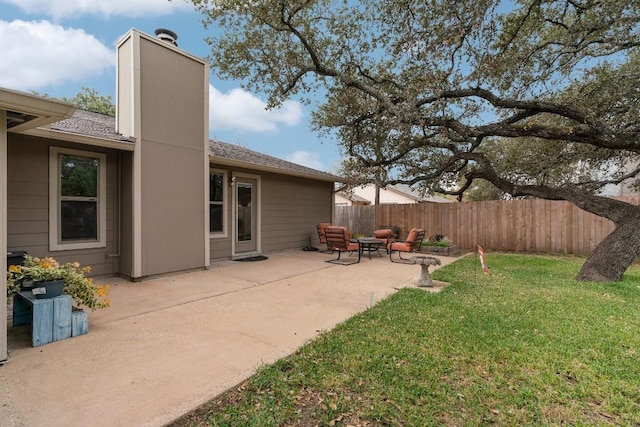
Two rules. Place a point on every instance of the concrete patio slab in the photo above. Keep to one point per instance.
(169, 344)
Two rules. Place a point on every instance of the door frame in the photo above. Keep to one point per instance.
(235, 176)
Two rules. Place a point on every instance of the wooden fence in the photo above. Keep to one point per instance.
(511, 225)
(359, 219)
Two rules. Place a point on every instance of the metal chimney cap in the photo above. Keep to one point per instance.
(167, 36)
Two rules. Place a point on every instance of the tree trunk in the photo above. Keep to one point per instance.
(614, 254)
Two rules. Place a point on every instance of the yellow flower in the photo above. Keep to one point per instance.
(82, 289)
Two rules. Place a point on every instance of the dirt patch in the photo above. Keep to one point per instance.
(309, 405)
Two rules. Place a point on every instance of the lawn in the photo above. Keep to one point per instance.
(526, 345)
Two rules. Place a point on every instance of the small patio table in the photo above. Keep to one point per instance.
(369, 244)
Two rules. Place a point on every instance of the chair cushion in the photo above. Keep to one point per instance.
(401, 246)
(383, 233)
(352, 246)
(412, 234)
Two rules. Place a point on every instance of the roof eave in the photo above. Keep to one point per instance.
(402, 193)
(80, 139)
(239, 163)
(44, 111)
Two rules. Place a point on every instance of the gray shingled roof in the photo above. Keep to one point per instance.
(90, 124)
(101, 126)
(227, 151)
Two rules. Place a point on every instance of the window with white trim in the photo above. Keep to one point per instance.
(77, 199)
(217, 203)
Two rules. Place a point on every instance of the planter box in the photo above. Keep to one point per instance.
(79, 322)
(442, 250)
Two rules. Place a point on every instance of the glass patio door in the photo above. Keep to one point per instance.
(245, 215)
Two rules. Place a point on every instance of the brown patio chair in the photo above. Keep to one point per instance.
(321, 227)
(411, 245)
(338, 240)
(393, 228)
(385, 233)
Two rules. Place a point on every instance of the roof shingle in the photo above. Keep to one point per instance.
(90, 124)
(235, 152)
(101, 126)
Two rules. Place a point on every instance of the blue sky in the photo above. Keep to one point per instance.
(56, 47)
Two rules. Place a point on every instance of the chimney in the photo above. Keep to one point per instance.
(167, 36)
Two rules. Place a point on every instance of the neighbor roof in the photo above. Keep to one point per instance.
(416, 195)
(354, 197)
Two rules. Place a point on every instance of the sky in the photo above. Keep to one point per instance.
(57, 47)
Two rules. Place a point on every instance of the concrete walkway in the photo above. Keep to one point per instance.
(168, 345)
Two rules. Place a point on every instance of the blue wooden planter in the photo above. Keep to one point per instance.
(50, 318)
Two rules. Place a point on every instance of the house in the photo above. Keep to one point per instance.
(626, 188)
(146, 193)
(391, 194)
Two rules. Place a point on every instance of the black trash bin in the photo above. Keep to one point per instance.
(15, 257)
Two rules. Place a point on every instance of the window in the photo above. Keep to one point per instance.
(245, 212)
(77, 199)
(217, 198)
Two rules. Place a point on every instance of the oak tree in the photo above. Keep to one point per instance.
(538, 97)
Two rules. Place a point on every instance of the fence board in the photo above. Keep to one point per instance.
(358, 219)
(533, 225)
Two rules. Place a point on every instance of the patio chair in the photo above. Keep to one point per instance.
(338, 240)
(321, 227)
(411, 245)
(385, 233)
(394, 229)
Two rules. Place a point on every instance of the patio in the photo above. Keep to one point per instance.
(170, 344)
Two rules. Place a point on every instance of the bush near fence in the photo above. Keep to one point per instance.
(531, 225)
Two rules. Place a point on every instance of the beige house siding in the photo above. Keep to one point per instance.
(125, 106)
(173, 218)
(291, 208)
(221, 248)
(28, 203)
(172, 97)
(125, 218)
(171, 146)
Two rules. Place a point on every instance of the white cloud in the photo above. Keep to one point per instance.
(59, 9)
(241, 110)
(39, 53)
(306, 158)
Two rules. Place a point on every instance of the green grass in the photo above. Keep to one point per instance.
(526, 345)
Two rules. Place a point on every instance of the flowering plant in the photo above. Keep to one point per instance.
(81, 288)
(437, 240)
